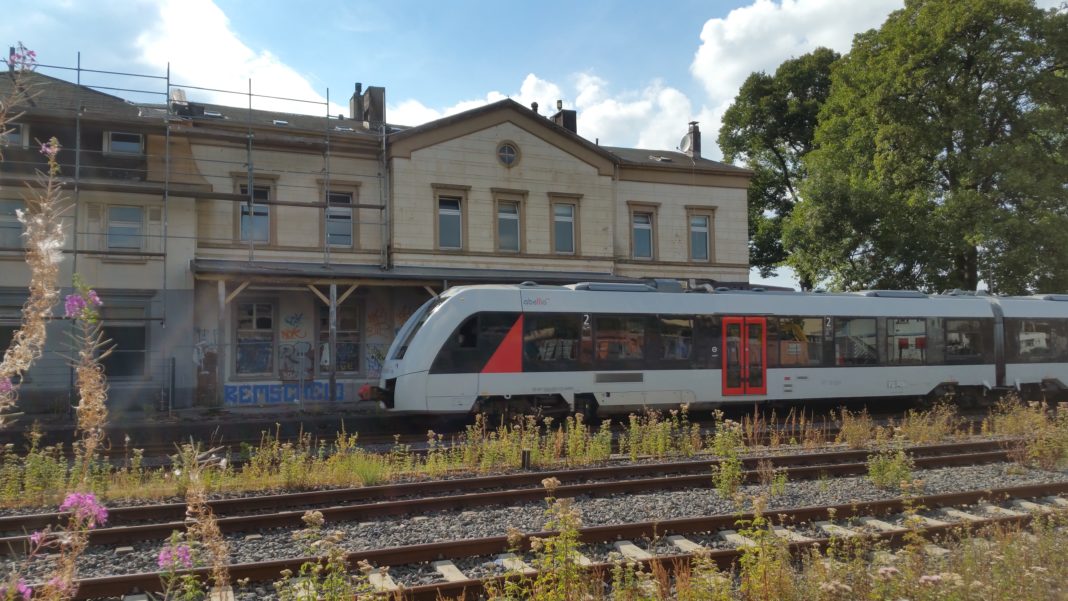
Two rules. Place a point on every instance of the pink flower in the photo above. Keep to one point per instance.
(74, 305)
(94, 299)
(171, 557)
(37, 537)
(930, 579)
(6, 386)
(50, 149)
(24, 589)
(85, 509)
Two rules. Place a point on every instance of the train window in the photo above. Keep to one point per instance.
(472, 344)
(707, 337)
(800, 341)
(906, 341)
(772, 345)
(676, 341)
(619, 341)
(969, 341)
(551, 341)
(854, 341)
(1037, 340)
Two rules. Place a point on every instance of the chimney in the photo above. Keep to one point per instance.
(534, 106)
(694, 147)
(374, 105)
(565, 118)
(356, 103)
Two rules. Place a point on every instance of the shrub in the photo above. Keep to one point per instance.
(889, 469)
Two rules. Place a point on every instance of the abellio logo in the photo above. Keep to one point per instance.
(540, 302)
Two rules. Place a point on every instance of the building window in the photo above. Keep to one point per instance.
(255, 339)
(642, 234)
(699, 237)
(348, 337)
(564, 228)
(450, 223)
(123, 143)
(339, 219)
(508, 226)
(256, 219)
(127, 329)
(15, 137)
(508, 154)
(125, 227)
(10, 226)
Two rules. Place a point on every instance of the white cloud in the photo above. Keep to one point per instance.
(196, 38)
(652, 117)
(762, 35)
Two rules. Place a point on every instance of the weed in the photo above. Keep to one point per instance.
(889, 469)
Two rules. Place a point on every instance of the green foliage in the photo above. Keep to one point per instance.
(727, 442)
(890, 469)
(327, 578)
(770, 127)
(940, 156)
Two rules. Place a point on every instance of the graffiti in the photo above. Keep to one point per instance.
(378, 323)
(375, 357)
(402, 314)
(291, 333)
(204, 344)
(296, 361)
(294, 330)
(273, 394)
(255, 357)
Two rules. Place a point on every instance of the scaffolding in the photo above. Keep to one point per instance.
(94, 168)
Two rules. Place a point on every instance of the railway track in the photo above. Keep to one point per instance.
(364, 503)
(999, 506)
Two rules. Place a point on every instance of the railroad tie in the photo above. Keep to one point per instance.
(1031, 506)
(581, 559)
(929, 522)
(135, 597)
(632, 551)
(999, 510)
(514, 564)
(221, 594)
(449, 571)
(957, 514)
(684, 544)
(836, 530)
(790, 535)
(382, 582)
(738, 540)
(877, 524)
(1057, 501)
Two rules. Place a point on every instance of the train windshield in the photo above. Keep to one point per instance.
(414, 323)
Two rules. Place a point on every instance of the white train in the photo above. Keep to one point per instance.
(615, 348)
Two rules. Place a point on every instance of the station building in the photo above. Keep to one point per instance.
(248, 257)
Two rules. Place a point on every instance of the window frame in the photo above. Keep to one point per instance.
(11, 221)
(109, 143)
(334, 208)
(894, 348)
(709, 213)
(23, 136)
(573, 220)
(141, 227)
(323, 338)
(515, 157)
(518, 198)
(651, 209)
(239, 210)
(141, 323)
(451, 192)
(272, 372)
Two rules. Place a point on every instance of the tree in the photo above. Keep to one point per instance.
(770, 126)
(940, 155)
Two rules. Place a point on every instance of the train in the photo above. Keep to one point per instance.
(611, 348)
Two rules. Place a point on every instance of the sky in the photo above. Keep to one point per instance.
(636, 71)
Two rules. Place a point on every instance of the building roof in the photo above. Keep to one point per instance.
(53, 94)
(670, 158)
(290, 269)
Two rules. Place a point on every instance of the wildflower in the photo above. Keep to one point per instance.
(24, 589)
(6, 386)
(930, 579)
(313, 519)
(74, 306)
(93, 298)
(952, 578)
(835, 586)
(171, 557)
(50, 149)
(888, 572)
(85, 508)
(37, 538)
(60, 585)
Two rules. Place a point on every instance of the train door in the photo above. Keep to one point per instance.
(745, 355)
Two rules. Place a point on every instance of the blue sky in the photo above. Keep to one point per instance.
(636, 71)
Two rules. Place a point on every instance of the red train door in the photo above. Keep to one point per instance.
(745, 355)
